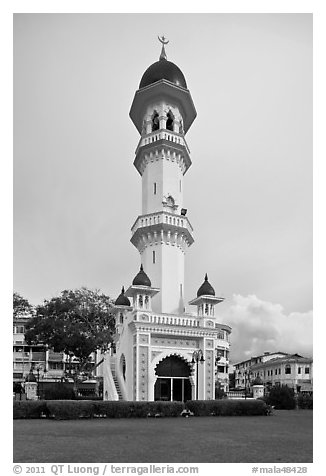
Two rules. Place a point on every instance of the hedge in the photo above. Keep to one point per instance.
(226, 407)
(30, 409)
(75, 409)
(305, 401)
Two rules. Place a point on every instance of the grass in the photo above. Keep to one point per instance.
(284, 437)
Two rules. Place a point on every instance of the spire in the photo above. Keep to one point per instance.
(206, 277)
(164, 41)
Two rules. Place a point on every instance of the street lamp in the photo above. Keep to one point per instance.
(197, 357)
(247, 375)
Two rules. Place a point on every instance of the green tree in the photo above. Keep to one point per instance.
(281, 397)
(77, 322)
(21, 306)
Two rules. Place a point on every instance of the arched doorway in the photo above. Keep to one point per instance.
(172, 381)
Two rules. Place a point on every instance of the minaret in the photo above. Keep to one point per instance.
(163, 111)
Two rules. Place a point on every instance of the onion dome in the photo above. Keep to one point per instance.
(30, 377)
(206, 289)
(141, 279)
(122, 300)
(163, 69)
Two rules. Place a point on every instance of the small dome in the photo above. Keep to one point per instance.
(163, 69)
(206, 289)
(30, 377)
(122, 300)
(142, 279)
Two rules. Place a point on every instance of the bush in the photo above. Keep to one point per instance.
(70, 409)
(219, 393)
(75, 409)
(226, 407)
(121, 409)
(282, 398)
(30, 409)
(58, 391)
(305, 401)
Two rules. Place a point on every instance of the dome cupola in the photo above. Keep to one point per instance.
(122, 300)
(206, 289)
(163, 69)
(141, 279)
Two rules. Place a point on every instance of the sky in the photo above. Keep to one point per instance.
(248, 191)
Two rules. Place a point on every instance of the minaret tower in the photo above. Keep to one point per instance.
(163, 111)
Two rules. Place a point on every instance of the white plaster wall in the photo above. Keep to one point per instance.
(153, 174)
(168, 176)
(167, 273)
(172, 176)
(125, 347)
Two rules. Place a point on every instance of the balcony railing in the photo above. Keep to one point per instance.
(160, 135)
(161, 217)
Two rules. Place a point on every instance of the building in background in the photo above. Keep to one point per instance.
(293, 370)
(275, 368)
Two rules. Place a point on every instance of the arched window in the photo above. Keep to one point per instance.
(140, 301)
(169, 121)
(288, 369)
(146, 302)
(155, 122)
(121, 318)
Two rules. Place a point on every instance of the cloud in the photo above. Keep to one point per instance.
(259, 326)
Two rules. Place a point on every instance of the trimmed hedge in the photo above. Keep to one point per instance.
(226, 407)
(30, 409)
(75, 409)
(305, 401)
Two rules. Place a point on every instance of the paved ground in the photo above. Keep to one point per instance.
(284, 437)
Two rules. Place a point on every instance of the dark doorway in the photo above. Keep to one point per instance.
(172, 380)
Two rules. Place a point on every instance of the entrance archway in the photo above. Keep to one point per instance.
(172, 383)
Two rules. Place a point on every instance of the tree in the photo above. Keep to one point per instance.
(21, 306)
(281, 397)
(77, 322)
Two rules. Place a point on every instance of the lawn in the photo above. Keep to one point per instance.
(284, 437)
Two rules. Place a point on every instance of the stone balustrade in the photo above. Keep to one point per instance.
(160, 135)
(161, 217)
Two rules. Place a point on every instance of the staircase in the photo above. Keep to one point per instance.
(115, 379)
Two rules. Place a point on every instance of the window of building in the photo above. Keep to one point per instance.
(306, 370)
(155, 188)
(287, 369)
(56, 365)
(271, 372)
(155, 121)
(169, 121)
(154, 257)
(299, 370)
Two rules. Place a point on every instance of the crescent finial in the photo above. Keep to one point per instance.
(164, 41)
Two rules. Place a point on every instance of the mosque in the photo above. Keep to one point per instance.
(161, 351)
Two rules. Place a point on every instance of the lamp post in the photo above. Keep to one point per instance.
(38, 381)
(247, 375)
(218, 357)
(197, 357)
